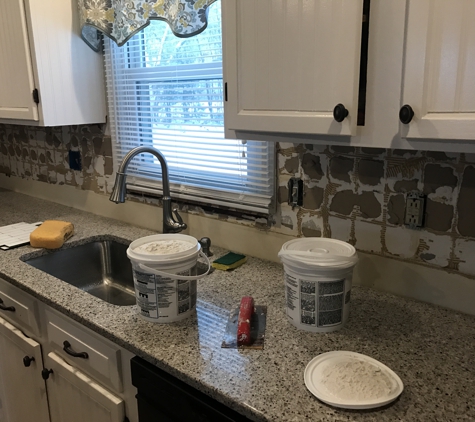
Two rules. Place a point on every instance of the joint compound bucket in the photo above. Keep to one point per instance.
(164, 270)
(318, 276)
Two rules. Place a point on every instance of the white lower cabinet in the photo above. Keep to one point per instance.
(74, 397)
(53, 369)
(22, 389)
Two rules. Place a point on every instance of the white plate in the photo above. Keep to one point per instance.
(348, 390)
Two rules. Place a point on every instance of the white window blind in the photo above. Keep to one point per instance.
(167, 92)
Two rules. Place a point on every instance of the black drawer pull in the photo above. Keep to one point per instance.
(6, 308)
(27, 361)
(67, 348)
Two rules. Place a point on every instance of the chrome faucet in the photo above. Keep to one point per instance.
(170, 225)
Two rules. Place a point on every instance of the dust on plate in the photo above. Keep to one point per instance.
(356, 380)
(351, 380)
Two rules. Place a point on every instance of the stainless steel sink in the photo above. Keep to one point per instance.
(100, 268)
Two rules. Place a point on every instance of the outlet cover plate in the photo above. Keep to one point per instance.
(415, 210)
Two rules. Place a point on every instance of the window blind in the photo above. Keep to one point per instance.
(167, 92)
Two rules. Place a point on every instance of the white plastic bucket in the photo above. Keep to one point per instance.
(165, 283)
(318, 276)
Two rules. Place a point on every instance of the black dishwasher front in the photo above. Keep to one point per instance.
(163, 398)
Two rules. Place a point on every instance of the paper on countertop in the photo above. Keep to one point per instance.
(16, 234)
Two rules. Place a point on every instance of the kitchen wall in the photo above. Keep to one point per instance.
(352, 194)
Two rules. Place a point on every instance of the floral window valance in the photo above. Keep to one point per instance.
(121, 19)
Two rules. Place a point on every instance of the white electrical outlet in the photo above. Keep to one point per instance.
(415, 210)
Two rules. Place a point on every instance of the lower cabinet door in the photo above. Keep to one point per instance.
(74, 397)
(22, 389)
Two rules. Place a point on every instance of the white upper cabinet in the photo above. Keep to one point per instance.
(16, 72)
(289, 63)
(439, 69)
(41, 49)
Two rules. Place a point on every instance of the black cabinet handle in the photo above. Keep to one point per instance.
(6, 308)
(340, 113)
(45, 373)
(27, 361)
(67, 348)
(406, 114)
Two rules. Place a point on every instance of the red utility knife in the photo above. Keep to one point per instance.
(244, 321)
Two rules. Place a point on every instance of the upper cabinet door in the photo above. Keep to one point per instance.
(288, 63)
(16, 72)
(439, 72)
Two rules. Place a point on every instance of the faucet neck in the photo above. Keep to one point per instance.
(160, 157)
(170, 225)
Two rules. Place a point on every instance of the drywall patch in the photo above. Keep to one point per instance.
(340, 168)
(438, 156)
(403, 152)
(3, 149)
(438, 216)
(108, 166)
(406, 185)
(343, 149)
(309, 231)
(33, 155)
(344, 202)
(436, 175)
(282, 194)
(396, 209)
(370, 172)
(373, 151)
(427, 256)
(466, 203)
(312, 166)
(369, 205)
(292, 165)
(313, 198)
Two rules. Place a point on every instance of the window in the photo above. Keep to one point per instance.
(167, 92)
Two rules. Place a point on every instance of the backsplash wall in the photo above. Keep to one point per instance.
(351, 194)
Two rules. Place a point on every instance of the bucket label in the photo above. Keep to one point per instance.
(164, 297)
(315, 303)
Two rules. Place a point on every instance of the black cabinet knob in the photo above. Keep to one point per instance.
(45, 373)
(406, 114)
(340, 113)
(27, 361)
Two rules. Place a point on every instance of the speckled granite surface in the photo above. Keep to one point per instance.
(430, 348)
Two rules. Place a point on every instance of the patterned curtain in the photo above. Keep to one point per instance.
(121, 19)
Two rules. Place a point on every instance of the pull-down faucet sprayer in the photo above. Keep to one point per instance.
(170, 225)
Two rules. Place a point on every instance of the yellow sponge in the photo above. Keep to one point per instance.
(51, 234)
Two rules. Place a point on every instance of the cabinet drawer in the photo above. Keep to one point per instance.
(21, 308)
(83, 349)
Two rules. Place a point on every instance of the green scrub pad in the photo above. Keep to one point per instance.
(229, 261)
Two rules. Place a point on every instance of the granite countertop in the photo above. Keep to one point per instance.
(432, 349)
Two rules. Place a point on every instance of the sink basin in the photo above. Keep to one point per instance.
(100, 268)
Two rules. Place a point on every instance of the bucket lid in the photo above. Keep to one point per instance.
(191, 247)
(319, 252)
